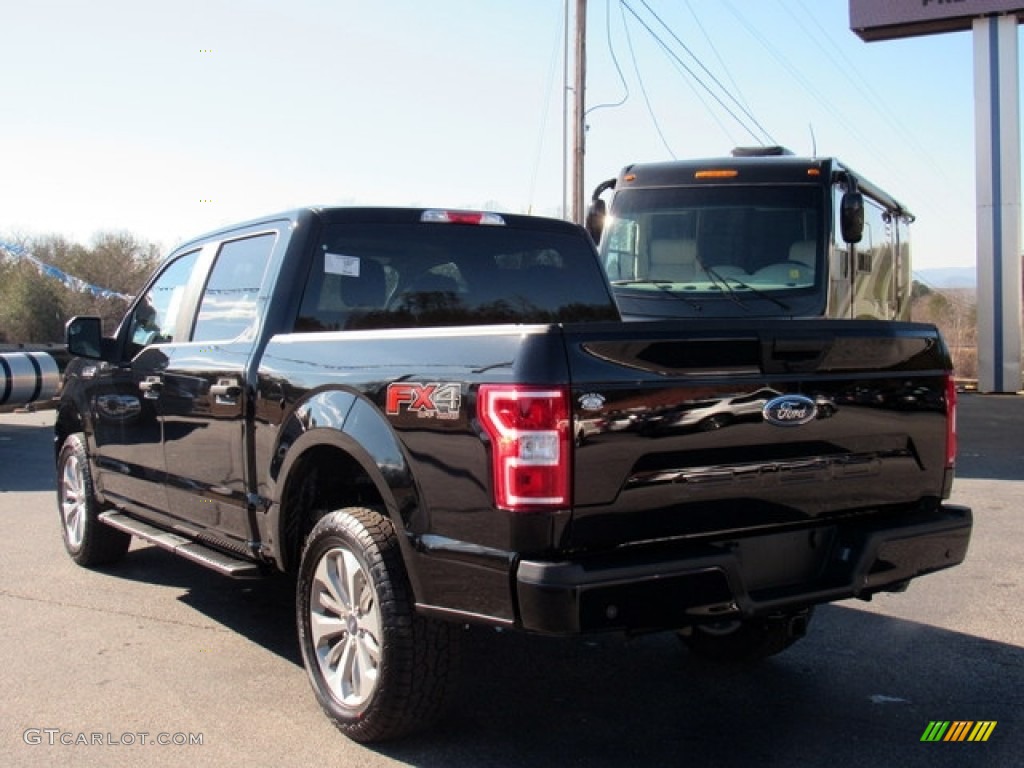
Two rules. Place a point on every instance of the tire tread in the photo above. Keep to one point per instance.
(420, 653)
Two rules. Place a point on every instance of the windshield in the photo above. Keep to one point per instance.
(760, 247)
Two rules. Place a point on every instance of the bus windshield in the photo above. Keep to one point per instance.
(760, 247)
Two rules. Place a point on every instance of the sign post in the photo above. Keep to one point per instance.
(997, 157)
(997, 152)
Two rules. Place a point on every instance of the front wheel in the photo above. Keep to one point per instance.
(746, 641)
(86, 539)
(378, 669)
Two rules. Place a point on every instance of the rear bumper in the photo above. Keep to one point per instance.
(747, 576)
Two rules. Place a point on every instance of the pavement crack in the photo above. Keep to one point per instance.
(109, 611)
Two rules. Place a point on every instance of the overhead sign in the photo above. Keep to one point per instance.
(889, 19)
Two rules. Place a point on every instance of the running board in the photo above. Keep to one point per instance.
(222, 563)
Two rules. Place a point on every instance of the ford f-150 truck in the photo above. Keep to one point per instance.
(432, 418)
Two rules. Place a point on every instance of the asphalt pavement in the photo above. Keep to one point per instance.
(99, 667)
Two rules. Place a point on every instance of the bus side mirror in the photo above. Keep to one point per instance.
(595, 219)
(851, 217)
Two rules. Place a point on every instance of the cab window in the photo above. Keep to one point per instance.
(155, 317)
(228, 309)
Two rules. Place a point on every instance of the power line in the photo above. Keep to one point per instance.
(849, 70)
(850, 125)
(544, 114)
(615, 61)
(691, 73)
(643, 89)
(710, 74)
(718, 56)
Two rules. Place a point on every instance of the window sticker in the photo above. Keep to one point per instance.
(339, 264)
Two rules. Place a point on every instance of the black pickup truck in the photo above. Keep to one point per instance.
(432, 418)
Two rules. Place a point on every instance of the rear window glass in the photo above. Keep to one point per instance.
(421, 275)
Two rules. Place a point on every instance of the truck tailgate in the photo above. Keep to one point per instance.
(695, 429)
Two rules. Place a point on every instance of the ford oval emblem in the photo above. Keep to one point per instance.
(789, 410)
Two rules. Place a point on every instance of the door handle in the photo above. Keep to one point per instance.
(228, 389)
(151, 386)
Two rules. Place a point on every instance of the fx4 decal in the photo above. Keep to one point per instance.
(434, 400)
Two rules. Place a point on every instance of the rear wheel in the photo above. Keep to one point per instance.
(86, 539)
(378, 669)
(748, 640)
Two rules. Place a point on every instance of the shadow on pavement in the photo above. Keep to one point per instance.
(860, 689)
(991, 437)
(26, 457)
(262, 610)
(844, 696)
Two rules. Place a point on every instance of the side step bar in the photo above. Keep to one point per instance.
(213, 559)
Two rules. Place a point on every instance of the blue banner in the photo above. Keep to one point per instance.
(72, 282)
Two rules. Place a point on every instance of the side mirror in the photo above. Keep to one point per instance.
(595, 219)
(84, 337)
(851, 217)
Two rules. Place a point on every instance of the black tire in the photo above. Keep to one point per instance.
(379, 670)
(86, 539)
(747, 641)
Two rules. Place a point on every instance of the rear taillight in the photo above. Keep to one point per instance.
(951, 446)
(529, 431)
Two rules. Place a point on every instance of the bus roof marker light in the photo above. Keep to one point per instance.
(717, 173)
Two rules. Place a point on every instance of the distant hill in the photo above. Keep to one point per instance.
(948, 277)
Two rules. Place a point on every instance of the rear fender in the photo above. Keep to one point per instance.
(351, 424)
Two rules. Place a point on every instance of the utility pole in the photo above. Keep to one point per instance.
(566, 203)
(579, 127)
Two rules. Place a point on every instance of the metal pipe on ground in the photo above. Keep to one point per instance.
(27, 377)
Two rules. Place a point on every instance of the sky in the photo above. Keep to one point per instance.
(169, 119)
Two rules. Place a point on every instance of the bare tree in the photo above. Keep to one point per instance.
(955, 313)
(34, 305)
(30, 310)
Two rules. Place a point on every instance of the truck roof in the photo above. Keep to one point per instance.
(384, 214)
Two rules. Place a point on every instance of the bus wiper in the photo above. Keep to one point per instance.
(759, 293)
(723, 284)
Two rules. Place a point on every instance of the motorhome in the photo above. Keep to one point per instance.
(759, 233)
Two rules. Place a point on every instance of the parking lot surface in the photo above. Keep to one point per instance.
(158, 662)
